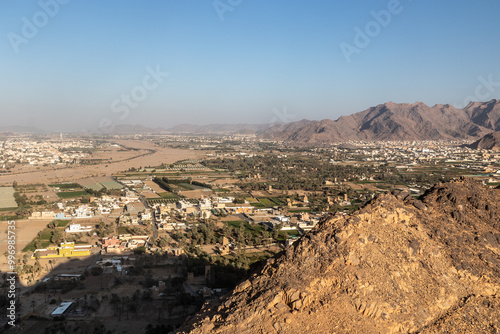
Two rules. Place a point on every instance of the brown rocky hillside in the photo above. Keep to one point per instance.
(489, 142)
(395, 121)
(399, 265)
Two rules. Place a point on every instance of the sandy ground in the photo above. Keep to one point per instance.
(196, 193)
(143, 157)
(26, 230)
(222, 182)
(155, 187)
(7, 198)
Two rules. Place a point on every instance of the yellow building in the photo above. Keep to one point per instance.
(66, 249)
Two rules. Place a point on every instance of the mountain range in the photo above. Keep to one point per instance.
(398, 265)
(385, 122)
(395, 122)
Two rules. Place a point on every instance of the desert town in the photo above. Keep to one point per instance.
(177, 234)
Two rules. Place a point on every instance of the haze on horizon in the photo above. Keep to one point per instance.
(75, 66)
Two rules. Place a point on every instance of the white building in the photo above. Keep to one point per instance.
(77, 228)
(82, 212)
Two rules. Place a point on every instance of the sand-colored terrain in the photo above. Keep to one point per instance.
(7, 198)
(146, 154)
(154, 187)
(196, 193)
(26, 230)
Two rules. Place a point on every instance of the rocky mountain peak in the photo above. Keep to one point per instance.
(398, 265)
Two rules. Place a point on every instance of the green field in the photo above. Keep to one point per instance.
(66, 185)
(258, 205)
(45, 234)
(168, 195)
(277, 200)
(269, 202)
(95, 187)
(31, 245)
(6, 218)
(254, 228)
(63, 223)
(72, 194)
(112, 185)
(191, 186)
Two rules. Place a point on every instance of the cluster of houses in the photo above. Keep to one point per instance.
(124, 243)
(38, 153)
(98, 207)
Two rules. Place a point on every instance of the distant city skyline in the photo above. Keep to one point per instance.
(84, 66)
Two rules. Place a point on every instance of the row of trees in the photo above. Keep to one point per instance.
(294, 172)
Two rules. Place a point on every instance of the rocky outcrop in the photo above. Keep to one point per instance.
(489, 142)
(399, 265)
(485, 114)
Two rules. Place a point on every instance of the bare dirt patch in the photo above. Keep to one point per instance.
(25, 230)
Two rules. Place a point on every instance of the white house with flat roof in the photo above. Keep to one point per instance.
(77, 228)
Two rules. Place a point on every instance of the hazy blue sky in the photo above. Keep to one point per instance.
(76, 65)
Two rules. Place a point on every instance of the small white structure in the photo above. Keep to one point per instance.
(61, 310)
(82, 212)
(224, 200)
(146, 215)
(205, 204)
(77, 228)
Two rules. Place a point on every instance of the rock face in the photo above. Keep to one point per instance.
(486, 114)
(396, 121)
(399, 265)
(489, 142)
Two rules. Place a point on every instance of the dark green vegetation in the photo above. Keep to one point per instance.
(72, 194)
(312, 173)
(66, 185)
(173, 185)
